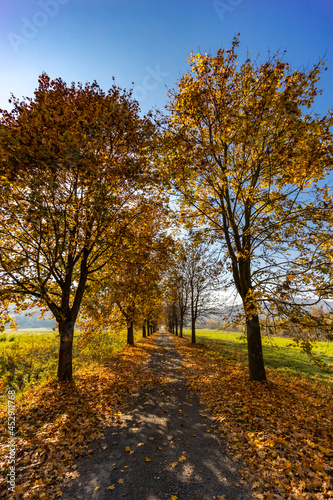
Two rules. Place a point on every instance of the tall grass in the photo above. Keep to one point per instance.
(30, 356)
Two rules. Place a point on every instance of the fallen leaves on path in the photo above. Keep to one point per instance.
(55, 422)
(280, 429)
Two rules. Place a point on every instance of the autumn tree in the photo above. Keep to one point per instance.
(129, 284)
(194, 279)
(177, 292)
(243, 148)
(75, 165)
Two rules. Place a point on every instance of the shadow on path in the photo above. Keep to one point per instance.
(173, 449)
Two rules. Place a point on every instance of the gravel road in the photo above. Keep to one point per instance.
(164, 447)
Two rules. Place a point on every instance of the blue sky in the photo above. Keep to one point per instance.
(147, 42)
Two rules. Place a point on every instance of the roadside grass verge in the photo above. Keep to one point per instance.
(29, 357)
(279, 353)
(281, 430)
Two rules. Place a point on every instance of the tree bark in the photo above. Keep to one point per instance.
(181, 326)
(254, 346)
(66, 331)
(193, 329)
(130, 334)
(144, 335)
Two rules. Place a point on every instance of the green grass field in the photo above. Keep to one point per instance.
(278, 353)
(30, 356)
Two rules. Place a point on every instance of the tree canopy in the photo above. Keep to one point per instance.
(75, 167)
(242, 149)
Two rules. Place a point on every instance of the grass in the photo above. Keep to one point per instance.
(278, 353)
(29, 356)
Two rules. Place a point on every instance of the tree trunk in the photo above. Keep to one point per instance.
(176, 323)
(144, 335)
(66, 331)
(181, 327)
(148, 331)
(254, 347)
(193, 329)
(130, 334)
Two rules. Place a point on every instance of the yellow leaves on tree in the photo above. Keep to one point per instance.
(73, 160)
(242, 153)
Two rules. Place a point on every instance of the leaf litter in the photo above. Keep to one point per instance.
(57, 421)
(282, 429)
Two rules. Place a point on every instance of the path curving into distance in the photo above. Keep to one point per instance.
(173, 449)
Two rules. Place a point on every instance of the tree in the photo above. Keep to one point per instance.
(194, 277)
(127, 289)
(201, 269)
(177, 296)
(242, 150)
(75, 165)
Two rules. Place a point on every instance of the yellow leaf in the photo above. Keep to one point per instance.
(181, 459)
(174, 464)
(174, 497)
(120, 481)
(97, 488)
(111, 488)
(128, 449)
(147, 459)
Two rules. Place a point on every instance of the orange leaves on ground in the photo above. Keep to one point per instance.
(281, 429)
(57, 421)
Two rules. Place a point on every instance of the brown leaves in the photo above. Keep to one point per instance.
(282, 429)
(57, 421)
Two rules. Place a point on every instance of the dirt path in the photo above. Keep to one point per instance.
(173, 450)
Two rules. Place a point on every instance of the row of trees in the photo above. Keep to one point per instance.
(84, 222)
(77, 183)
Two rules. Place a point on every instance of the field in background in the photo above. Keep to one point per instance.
(278, 353)
(30, 356)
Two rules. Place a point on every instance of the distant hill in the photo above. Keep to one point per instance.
(229, 312)
(32, 321)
